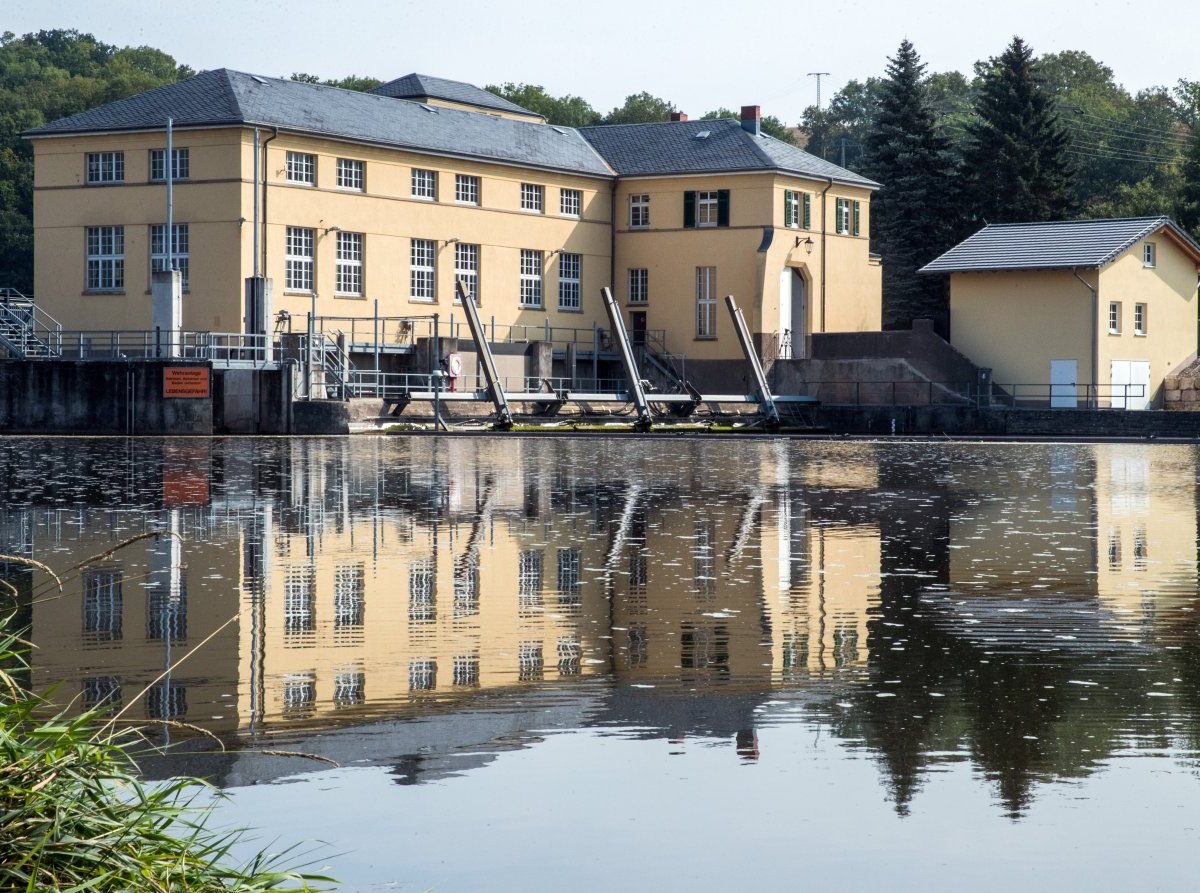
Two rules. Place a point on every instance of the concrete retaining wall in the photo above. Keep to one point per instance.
(964, 421)
(64, 397)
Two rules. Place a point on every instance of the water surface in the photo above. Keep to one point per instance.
(643, 664)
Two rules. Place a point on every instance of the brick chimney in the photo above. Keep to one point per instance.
(678, 116)
(752, 119)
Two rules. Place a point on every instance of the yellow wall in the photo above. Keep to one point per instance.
(1016, 322)
(1169, 291)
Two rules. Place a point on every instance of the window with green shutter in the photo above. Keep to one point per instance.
(856, 217)
(689, 210)
(789, 217)
(807, 211)
(722, 207)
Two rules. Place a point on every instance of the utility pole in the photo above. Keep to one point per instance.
(818, 75)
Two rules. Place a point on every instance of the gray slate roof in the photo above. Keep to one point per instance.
(225, 97)
(1057, 245)
(673, 147)
(423, 86)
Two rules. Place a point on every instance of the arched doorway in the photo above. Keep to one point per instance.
(793, 314)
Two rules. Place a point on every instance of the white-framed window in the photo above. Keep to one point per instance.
(639, 285)
(299, 258)
(424, 270)
(792, 208)
(531, 278)
(570, 202)
(706, 302)
(1149, 254)
(1114, 317)
(301, 167)
(179, 251)
(706, 208)
(106, 167)
(846, 218)
(424, 184)
(349, 264)
(569, 267)
(466, 189)
(351, 174)
(466, 269)
(1139, 319)
(105, 258)
(533, 197)
(639, 211)
(181, 164)
(299, 601)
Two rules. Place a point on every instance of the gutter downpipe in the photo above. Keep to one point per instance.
(1095, 335)
(824, 243)
(265, 173)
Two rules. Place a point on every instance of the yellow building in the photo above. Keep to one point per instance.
(357, 204)
(1087, 312)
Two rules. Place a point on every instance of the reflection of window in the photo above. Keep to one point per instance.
(638, 572)
(466, 669)
(422, 675)
(529, 661)
(845, 646)
(349, 587)
(703, 648)
(422, 606)
(795, 654)
(466, 588)
(568, 572)
(529, 579)
(166, 611)
(638, 642)
(349, 689)
(102, 693)
(166, 700)
(102, 605)
(299, 695)
(570, 654)
(704, 558)
(299, 601)
(1141, 550)
(1114, 550)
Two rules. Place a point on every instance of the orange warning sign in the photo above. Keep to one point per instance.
(185, 381)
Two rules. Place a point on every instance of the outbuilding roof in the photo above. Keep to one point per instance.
(232, 98)
(706, 146)
(423, 86)
(1056, 245)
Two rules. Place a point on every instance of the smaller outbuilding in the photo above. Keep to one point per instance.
(1076, 313)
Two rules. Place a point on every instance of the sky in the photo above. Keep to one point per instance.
(700, 55)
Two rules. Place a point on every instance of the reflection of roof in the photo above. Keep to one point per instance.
(1056, 245)
(422, 86)
(680, 147)
(232, 98)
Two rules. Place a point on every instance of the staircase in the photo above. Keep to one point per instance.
(661, 369)
(26, 332)
(331, 367)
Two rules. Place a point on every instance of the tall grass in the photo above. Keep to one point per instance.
(74, 816)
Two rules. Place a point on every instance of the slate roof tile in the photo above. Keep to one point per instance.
(421, 86)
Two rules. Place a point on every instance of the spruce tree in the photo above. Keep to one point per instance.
(1016, 157)
(911, 221)
(1187, 206)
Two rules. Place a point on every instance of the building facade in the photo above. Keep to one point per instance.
(393, 197)
(1076, 313)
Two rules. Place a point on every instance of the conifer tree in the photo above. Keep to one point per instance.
(911, 215)
(1015, 158)
(1187, 207)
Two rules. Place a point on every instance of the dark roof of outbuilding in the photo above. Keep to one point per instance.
(423, 86)
(1057, 245)
(225, 97)
(677, 147)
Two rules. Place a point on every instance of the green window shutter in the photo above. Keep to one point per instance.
(722, 207)
(837, 214)
(856, 217)
(787, 208)
(807, 210)
(689, 210)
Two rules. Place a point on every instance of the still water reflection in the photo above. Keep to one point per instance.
(645, 664)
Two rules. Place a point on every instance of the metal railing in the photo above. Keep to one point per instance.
(396, 385)
(25, 328)
(909, 392)
(219, 348)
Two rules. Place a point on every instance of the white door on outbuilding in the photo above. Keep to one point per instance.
(1063, 375)
(785, 314)
(1130, 381)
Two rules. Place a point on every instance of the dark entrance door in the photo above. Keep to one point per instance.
(637, 327)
